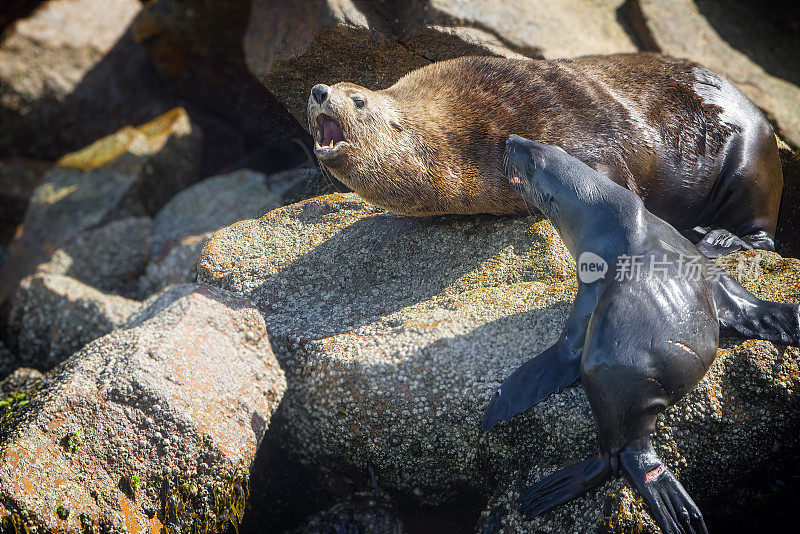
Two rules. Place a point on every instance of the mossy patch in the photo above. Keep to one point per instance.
(72, 441)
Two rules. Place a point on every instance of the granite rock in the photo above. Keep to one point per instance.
(53, 315)
(395, 331)
(150, 427)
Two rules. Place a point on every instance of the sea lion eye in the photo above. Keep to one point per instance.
(358, 100)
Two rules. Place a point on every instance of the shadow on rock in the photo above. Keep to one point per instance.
(766, 32)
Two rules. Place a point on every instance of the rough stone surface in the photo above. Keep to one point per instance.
(301, 183)
(53, 316)
(612, 508)
(22, 380)
(215, 203)
(367, 312)
(110, 258)
(371, 512)
(212, 204)
(174, 265)
(678, 28)
(158, 159)
(533, 27)
(154, 426)
(197, 49)
(787, 237)
(70, 74)
(395, 331)
(292, 47)
(132, 172)
(20, 177)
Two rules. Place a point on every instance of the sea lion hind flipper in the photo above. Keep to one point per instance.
(670, 505)
(742, 312)
(531, 383)
(564, 485)
(718, 243)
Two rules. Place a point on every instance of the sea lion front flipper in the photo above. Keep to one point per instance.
(549, 372)
(720, 242)
(742, 312)
(671, 507)
(564, 485)
(531, 383)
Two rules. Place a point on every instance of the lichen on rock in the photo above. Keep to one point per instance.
(151, 426)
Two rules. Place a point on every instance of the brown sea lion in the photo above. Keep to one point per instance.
(692, 146)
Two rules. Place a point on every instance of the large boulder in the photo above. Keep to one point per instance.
(53, 315)
(395, 329)
(212, 204)
(20, 177)
(132, 172)
(175, 264)
(394, 332)
(70, 73)
(290, 47)
(147, 428)
(110, 258)
(197, 49)
(697, 31)
(536, 28)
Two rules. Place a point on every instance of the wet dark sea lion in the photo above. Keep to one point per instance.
(681, 137)
(637, 342)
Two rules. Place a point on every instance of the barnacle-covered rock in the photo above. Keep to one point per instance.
(148, 427)
(395, 331)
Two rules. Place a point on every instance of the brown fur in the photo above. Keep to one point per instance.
(433, 142)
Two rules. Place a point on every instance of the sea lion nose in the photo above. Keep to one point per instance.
(320, 92)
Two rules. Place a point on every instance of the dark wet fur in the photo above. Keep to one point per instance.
(634, 354)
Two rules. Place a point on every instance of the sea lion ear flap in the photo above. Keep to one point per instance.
(396, 125)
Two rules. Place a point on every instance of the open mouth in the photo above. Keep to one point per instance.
(329, 134)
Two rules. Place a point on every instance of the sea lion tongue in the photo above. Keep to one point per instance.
(331, 131)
